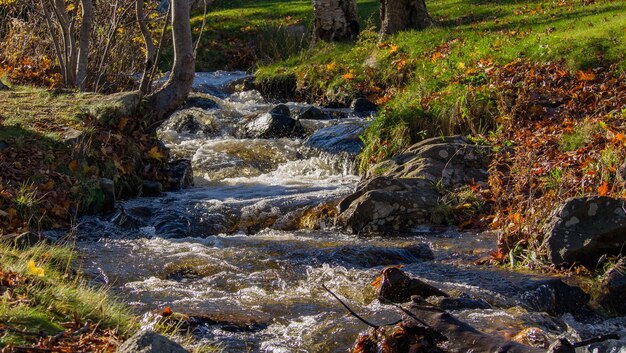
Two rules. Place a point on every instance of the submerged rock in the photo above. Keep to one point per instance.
(583, 229)
(274, 124)
(401, 193)
(202, 101)
(151, 188)
(340, 138)
(150, 342)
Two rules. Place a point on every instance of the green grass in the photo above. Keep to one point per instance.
(437, 80)
(54, 297)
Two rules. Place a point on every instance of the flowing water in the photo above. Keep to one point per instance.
(230, 247)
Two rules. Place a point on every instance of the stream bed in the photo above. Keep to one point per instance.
(230, 246)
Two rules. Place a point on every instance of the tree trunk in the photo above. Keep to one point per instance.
(335, 20)
(399, 15)
(83, 44)
(178, 86)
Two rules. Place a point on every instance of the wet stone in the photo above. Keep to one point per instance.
(555, 297)
(150, 342)
(151, 188)
(613, 289)
(363, 106)
(397, 287)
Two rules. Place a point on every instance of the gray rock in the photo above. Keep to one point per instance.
(107, 186)
(191, 120)
(179, 175)
(402, 193)
(343, 137)
(555, 297)
(274, 124)
(150, 342)
(151, 188)
(583, 229)
(397, 287)
(312, 113)
(363, 106)
(613, 292)
(388, 205)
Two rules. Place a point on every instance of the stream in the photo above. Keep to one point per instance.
(230, 247)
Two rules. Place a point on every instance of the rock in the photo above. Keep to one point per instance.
(151, 188)
(274, 124)
(201, 101)
(583, 229)
(3, 87)
(397, 287)
(179, 175)
(388, 205)
(312, 113)
(340, 138)
(150, 342)
(363, 106)
(107, 186)
(372, 256)
(192, 121)
(555, 297)
(72, 136)
(402, 193)
(613, 289)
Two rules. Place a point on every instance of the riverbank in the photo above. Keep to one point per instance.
(539, 82)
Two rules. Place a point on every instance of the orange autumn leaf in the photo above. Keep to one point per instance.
(348, 76)
(377, 282)
(167, 312)
(603, 189)
(620, 137)
(585, 76)
(393, 48)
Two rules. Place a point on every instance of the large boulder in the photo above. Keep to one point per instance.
(274, 124)
(613, 289)
(150, 342)
(555, 297)
(312, 113)
(584, 229)
(402, 193)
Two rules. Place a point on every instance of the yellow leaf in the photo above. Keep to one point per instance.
(393, 48)
(460, 66)
(70, 7)
(154, 153)
(331, 66)
(33, 270)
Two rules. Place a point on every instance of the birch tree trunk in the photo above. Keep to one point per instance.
(178, 86)
(335, 20)
(400, 15)
(150, 47)
(83, 44)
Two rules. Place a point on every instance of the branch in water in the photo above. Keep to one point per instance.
(352, 311)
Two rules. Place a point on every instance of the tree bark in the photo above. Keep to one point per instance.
(178, 86)
(150, 47)
(400, 15)
(83, 44)
(335, 20)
